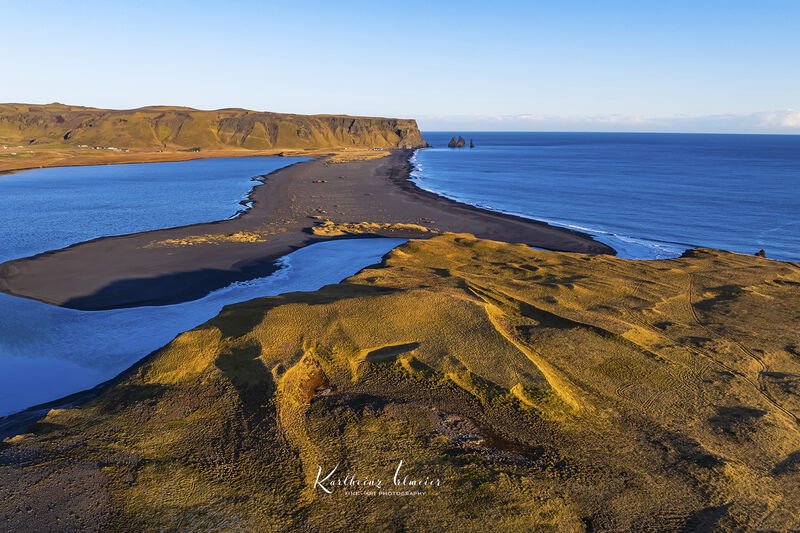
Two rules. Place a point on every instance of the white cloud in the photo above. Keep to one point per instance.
(785, 121)
(781, 119)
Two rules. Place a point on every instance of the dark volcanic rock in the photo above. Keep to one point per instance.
(460, 143)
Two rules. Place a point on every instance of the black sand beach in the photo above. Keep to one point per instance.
(184, 263)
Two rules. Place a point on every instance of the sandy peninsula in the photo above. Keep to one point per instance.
(296, 206)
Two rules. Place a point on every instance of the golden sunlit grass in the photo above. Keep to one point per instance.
(212, 238)
(329, 228)
(546, 391)
(357, 155)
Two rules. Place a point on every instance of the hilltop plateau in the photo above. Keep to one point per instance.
(57, 135)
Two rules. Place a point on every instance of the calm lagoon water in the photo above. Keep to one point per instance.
(48, 352)
(646, 195)
(49, 208)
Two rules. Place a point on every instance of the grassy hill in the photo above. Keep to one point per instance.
(543, 391)
(183, 128)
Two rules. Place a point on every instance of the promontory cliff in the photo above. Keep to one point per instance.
(184, 128)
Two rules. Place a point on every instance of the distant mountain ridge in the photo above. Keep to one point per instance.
(176, 128)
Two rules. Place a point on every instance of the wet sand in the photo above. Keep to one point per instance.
(134, 270)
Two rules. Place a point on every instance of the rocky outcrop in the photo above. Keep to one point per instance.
(183, 128)
(457, 143)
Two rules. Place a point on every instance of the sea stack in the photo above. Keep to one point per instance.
(471, 143)
(459, 143)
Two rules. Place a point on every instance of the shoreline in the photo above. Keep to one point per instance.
(285, 209)
(600, 235)
(141, 158)
(80, 159)
(409, 184)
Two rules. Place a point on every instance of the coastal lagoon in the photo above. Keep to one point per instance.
(47, 352)
(49, 208)
(648, 196)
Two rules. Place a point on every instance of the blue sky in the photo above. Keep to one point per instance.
(640, 65)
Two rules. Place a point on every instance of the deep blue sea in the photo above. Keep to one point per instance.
(49, 208)
(646, 195)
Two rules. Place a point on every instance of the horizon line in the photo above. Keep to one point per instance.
(612, 132)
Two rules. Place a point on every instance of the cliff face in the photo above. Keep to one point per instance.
(177, 128)
(548, 391)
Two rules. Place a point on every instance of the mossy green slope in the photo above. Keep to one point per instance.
(175, 128)
(546, 391)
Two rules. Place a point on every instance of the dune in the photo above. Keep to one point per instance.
(533, 390)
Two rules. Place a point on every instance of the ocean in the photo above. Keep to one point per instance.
(648, 195)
